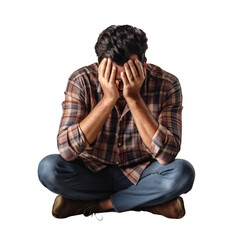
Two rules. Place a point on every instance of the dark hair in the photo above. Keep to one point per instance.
(120, 42)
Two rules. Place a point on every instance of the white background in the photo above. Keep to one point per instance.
(43, 42)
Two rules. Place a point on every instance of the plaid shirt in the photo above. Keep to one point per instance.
(119, 142)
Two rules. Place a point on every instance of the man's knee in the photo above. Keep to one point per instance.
(47, 169)
(179, 177)
(185, 175)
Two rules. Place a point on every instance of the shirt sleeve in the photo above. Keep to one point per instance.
(70, 139)
(166, 141)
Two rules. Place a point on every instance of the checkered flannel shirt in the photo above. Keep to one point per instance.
(119, 142)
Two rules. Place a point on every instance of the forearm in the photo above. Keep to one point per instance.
(162, 137)
(165, 147)
(146, 124)
(93, 123)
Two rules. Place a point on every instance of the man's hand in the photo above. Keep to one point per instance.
(133, 78)
(106, 77)
(92, 124)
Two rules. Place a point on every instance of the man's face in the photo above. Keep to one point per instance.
(119, 82)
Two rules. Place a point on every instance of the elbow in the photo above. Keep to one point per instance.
(162, 162)
(67, 157)
(71, 143)
(66, 152)
(167, 155)
(165, 159)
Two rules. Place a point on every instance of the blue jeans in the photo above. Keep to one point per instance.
(158, 183)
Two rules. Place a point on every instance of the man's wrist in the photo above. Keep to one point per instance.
(109, 100)
(133, 99)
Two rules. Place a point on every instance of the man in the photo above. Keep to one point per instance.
(119, 135)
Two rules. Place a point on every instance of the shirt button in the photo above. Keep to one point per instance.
(119, 144)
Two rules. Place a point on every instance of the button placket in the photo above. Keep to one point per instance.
(119, 141)
(120, 134)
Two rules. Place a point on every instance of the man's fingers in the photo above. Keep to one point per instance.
(102, 66)
(124, 79)
(113, 74)
(128, 72)
(108, 69)
(139, 68)
(133, 69)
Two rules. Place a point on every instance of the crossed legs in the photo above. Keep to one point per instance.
(158, 183)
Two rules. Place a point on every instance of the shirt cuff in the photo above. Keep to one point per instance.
(84, 140)
(158, 140)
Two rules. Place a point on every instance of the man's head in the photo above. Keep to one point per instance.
(120, 42)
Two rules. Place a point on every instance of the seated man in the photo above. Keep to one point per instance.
(119, 135)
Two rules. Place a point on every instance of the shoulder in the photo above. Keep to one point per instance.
(86, 71)
(160, 76)
(83, 77)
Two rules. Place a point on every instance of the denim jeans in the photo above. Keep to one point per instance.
(158, 183)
